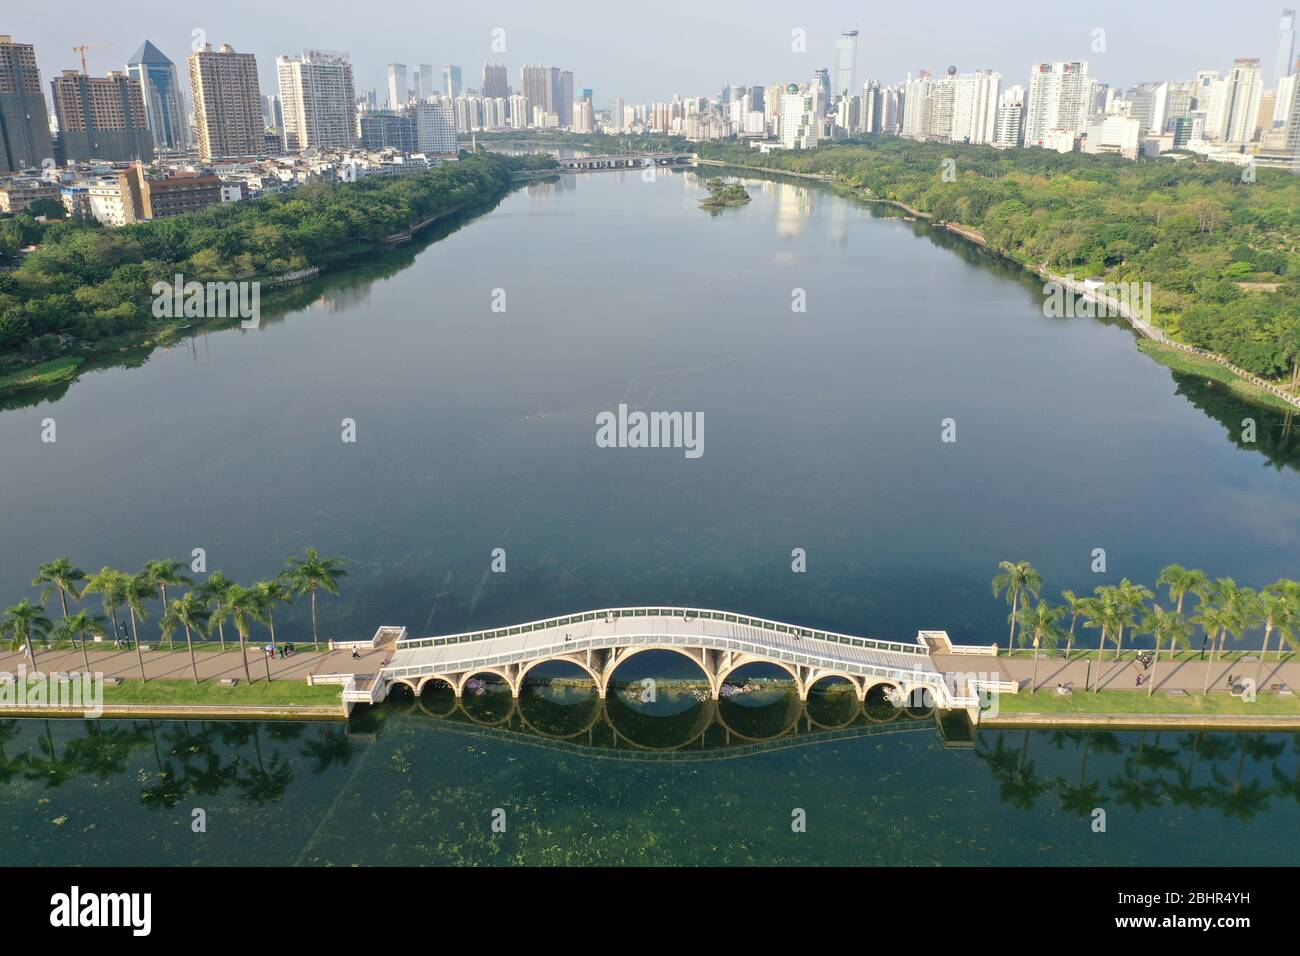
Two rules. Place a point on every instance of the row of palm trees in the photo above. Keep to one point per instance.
(198, 611)
(1224, 610)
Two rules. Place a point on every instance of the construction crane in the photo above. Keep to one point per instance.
(82, 50)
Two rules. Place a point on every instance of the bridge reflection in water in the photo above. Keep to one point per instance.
(680, 724)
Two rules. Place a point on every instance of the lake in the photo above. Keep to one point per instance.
(476, 431)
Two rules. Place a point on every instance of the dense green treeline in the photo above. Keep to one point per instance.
(94, 283)
(1222, 254)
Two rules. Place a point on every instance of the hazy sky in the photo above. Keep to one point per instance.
(648, 51)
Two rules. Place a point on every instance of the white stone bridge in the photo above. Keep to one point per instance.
(719, 642)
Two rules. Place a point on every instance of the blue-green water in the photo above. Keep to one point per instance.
(476, 431)
(406, 787)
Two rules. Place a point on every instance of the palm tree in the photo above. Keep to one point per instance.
(1041, 620)
(1131, 599)
(112, 586)
(1016, 578)
(269, 594)
(26, 621)
(59, 575)
(213, 591)
(1182, 581)
(1102, 612)
(1076, 605)
(1165, 626)
(312, 573)
(78, 626)
(162, 574)
(189, 613)
(138, 590)
(1214, 619)
(243, 606)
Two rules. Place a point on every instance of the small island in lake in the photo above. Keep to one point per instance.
(722, 195)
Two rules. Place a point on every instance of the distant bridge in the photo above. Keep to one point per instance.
(719, 642)
(624, 161)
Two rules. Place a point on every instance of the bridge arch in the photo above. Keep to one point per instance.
(424, 682)
(701, 662)
(747, 659)
(467, 676)
(565, 659)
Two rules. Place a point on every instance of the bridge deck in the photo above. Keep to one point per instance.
(865, 658)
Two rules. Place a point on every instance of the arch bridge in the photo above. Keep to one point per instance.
(719, 642)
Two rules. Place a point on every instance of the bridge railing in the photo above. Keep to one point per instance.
(685, 613)
(933, 680)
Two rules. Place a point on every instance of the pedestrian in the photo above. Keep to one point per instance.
(356, 654)
(1139, 680)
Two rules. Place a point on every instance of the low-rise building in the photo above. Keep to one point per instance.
(18, 193)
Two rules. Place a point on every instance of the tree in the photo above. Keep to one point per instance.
(1214, 619)
(1076, 606)
(1130, 599)
(243, 606)
(309, 574)
(138, 590)
(77, 626)
(269, 594)
(188, 612)
(162, 574)
(1042, 621)
(1181, 581)
(214, 591)
(1102, 612)
(1164, 626)
(112, 586)
(1016, 578)
(25, 622)
(59, 575)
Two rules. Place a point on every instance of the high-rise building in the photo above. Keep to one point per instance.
(380, 129)
(1284, 59)
(534, 86)
(101, 117)
(916, 105)
(24, 124)
(616, 115)
(800, 122)
(164, 104)
(227, 103)
(451, 82)
(319, 100)
(1011, 118)
(564, 100)
(495, 80)
(1292, 130)
(846, 63)
(425, 84)
(1241, 102)
(435, 125)
(1060, 97)
(397, 91)
(975, 107)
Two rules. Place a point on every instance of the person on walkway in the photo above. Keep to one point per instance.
(1139, 680)
(356, 654)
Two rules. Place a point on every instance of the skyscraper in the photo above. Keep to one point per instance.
(451, 81)
(24, 123)
(1284, 59)
(397, 91)
(227, 103)
(425, 85)
(101, 117)
(319, 100)
(975, 107)
(534, 85)
(495, 81)
(564, 98)
(1059, 100)
(164, 104)
(1241, 102)
(846, 63)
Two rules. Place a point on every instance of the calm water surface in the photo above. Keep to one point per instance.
(476, 431)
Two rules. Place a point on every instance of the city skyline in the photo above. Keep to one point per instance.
(1139, 44)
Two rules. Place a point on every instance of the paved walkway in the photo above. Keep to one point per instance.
(212, 665)
(1120, 675)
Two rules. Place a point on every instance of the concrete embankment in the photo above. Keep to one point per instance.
(188, 712)
(1258, 723)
